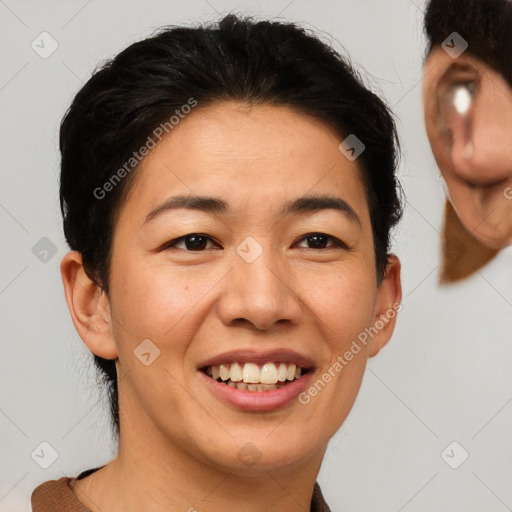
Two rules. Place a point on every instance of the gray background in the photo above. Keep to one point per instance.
(444, 377)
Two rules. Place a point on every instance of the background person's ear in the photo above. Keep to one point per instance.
(389, 298)
(89, 307)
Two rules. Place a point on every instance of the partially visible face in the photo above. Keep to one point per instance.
(211, 286)
(468, 117)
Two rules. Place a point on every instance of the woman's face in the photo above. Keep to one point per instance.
(234, 280)
(468, 116)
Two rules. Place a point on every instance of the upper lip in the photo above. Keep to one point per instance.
(259, 357)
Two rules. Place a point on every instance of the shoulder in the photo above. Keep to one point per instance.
(318, 503)
(56, 496)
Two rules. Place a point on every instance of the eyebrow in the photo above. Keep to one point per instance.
(217, 206)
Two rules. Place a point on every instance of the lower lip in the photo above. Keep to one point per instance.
(258, 400)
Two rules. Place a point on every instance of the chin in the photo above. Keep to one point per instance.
(494, 237)
(266, 452)
(493, 242)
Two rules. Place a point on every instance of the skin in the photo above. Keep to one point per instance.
(479, 181)
(178, 442)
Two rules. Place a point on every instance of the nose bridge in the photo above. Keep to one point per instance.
(258, 290)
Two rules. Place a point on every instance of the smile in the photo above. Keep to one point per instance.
(255, 380)
(255, 377)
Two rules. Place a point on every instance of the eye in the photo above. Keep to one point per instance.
(198, 242)
(320, 240)
(192, 241)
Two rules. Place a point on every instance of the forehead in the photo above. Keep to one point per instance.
(249, 156)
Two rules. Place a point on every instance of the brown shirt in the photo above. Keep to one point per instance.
(57, 496)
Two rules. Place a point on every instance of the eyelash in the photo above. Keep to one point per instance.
(170, 244)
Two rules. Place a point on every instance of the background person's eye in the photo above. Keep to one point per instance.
(320, 241)
(190, 242)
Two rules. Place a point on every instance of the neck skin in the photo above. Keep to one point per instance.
(154, 473)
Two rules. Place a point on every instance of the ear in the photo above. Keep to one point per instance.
(389, 297)
(89, 307)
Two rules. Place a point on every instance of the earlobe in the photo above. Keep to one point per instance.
(389, 297)
(89, 307)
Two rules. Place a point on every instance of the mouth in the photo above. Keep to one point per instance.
(250, 380)
(251, 376)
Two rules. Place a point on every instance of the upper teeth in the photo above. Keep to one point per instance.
(251, 373)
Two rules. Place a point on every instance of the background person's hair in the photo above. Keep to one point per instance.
(486, 25)
(235, 59)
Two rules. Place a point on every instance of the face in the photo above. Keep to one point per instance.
(248, 298)
(468, 117)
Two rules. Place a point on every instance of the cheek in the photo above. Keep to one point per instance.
(165, 306)
(344, 307)
(156, 302)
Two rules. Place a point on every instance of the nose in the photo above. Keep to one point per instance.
(480, 128)
(259, 294)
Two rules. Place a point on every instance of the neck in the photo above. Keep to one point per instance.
(151, 473)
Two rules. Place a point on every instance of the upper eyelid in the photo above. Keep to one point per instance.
(182, 238)
(336, 240)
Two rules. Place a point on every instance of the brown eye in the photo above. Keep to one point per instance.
(320, 241)
(193, 242)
